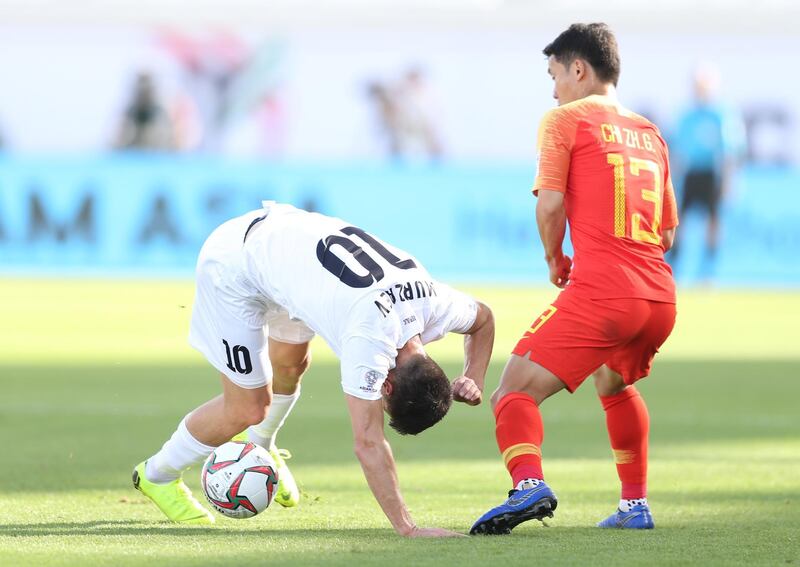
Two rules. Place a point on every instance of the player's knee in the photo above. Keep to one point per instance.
(293, 372)
(607, 382)
(252, 411)
(290, 374)
(253, 415)
(501, 393)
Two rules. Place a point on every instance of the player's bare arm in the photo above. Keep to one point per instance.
(375, 455)
(667, 238)
(478, 342)
(551, 217)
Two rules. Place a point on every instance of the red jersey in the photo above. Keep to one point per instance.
(613, 167)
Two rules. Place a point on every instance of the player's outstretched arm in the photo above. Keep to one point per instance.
(377, 462)
(478, 343)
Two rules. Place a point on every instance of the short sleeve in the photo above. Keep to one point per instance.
(365, 365)
(554, 145)
(454, 312)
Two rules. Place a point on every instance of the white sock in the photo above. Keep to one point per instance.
(178, 454)
(264, 433)
(627, 504)
(527, 483)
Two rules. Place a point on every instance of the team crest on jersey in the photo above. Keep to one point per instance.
(371, 378)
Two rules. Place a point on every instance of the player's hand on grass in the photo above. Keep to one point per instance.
(432, 532)
(560, 268)
(466, 390)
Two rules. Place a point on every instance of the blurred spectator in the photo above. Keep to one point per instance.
(211, 65)
(235, 88)
(386, 112)
(145, 124)
(257, 130)
(406, 116)
(417, 116)
(707, 149)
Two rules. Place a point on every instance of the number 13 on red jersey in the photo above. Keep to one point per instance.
(631, 184)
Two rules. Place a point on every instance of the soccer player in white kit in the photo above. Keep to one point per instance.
(270, 280)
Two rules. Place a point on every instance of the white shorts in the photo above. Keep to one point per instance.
(231, 320)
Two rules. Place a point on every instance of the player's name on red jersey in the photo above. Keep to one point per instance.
(613, 167)
(627, 136)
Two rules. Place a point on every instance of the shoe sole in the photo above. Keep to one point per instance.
(502, 524)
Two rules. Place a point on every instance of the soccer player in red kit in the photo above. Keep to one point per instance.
(605, 171)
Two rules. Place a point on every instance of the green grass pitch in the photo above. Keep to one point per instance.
(94, 375)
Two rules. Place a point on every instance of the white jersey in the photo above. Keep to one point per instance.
(366, 298)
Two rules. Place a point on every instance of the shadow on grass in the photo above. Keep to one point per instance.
(224, 530)
(167, 529)
(299, 536)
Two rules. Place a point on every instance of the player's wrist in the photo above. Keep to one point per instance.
(554, 256)
(406, 530)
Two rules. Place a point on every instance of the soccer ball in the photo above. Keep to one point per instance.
(239, 479)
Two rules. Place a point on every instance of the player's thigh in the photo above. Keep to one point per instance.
(289, 349)
(524, 375)
(574, 337)
(634, 360)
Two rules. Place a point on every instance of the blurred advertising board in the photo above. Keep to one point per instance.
(148, 215)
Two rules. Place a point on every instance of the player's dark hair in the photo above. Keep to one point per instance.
(421, 395)
(594, 43)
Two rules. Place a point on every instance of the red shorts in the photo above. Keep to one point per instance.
(575, 336)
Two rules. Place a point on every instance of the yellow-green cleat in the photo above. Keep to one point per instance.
(240, 437)
(288, 494)
(174, 499)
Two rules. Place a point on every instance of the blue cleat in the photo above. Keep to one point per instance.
(639, 518)
(522, 505)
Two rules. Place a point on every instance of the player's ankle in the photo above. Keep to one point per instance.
(528, 483)
(159, 477)
(627, 504)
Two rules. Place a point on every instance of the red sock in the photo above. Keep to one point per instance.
(519, 434)
(628, 425)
